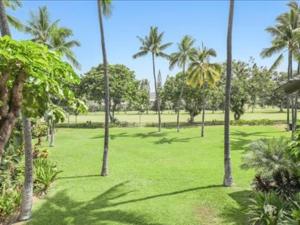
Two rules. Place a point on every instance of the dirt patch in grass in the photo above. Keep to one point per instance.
(207, 215)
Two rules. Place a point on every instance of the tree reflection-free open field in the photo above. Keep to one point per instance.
(165, 178)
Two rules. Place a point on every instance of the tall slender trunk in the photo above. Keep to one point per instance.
(3, 20)
(104, 170)
(290, 76)
(179, 99)
(7, 121)
(156, 94)
(203, 118)
(27, 194)
(227, 156)
(51, 133)
(294, 114)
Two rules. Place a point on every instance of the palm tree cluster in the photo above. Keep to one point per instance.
(195, 63)
(286, 38)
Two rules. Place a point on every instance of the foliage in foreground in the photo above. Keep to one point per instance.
(45, 174)
(12, 175)
(277, 182)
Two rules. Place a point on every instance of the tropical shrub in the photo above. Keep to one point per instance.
(267, 156)
(268, 209)
(283, 183)
(45, 174)
(39, 130)
(9, 202)
(37, 153)
(11, 176)
(277, 181)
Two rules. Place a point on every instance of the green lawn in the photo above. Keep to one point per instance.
(170, 116)
(165, 178)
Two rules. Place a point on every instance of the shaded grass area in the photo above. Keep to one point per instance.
(165, 178)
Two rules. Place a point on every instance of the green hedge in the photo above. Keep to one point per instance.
(89, 124)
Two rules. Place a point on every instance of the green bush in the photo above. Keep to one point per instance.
(9, 202)
(255, 122)
(268, 209)
(267, 155)
(11, 177)
(45, 174)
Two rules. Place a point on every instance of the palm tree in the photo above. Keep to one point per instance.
(13, 21)
(4, 19)
(49, 33)
(104, 8)
(40, 26)
(203, 74)
(285, 37)
(153, 44)
(57, 38)
(181, 58)
(227, 156)
(60, 42)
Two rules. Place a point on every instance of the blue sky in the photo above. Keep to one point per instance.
(206, 21)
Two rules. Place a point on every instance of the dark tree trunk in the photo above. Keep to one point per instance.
(104, 170)
(281, 107)
(51, 134)
(7, 114)
(3, 20)
(227, 155)
(203, 119)
(290, 76)
(27, 194)
(156, 94)
(179, 100)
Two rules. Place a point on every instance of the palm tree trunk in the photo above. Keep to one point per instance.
(203, 118)
(156, 94)
(290, 75)
(8, 124)
(3, 20)
(104, 170)
(27, 195)
(227, 156)
(179, 99)
(51, 134)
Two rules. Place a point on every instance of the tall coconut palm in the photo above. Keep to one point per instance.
(227, 155)
(40, 26)
(152, 44)
(181, 58)
(285, 37)
(49, 33)
(104, 8)
(13, 21)
(57, 38)
(203, 74)
(60, 41)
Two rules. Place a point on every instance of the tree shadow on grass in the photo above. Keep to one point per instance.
(240, 140)
(62, 210)
(126, 135)
(166, 140)
(79, 176)
(237, 215)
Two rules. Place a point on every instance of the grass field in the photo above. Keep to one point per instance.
(165, 178)
(170, 116)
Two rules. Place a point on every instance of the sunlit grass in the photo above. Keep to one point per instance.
(165, 178)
